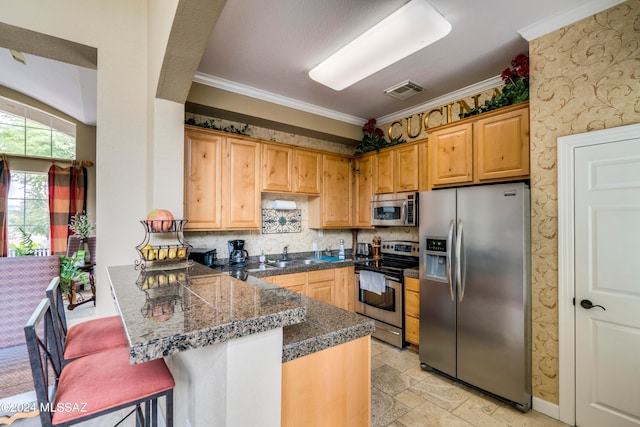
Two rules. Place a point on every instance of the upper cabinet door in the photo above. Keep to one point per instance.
(502, 146)
(202, 184)
(364, 190)
(333, 208)
(383, 172)
(276, 168)
(242, 209)
(406, 168)
(424, 166)
(451, 155)
(306, 171)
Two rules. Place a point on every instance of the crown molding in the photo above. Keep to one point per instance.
(568, 17)
(471, 90)
(264, 95)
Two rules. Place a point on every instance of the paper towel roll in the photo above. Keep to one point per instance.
(284, 204)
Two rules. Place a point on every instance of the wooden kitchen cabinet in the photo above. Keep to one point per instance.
(277, 162)
(333, 209)
(289, 170)
(296, 282)
(222, 176)
(383, 172)
(423, 161)
(491, 147)
(406, 168)
(451, 155)
(345, 288)
(331, 387)
(241, 203)
(334, 286)
(202, 165)
(306, 171)
(363, 190)
(396, 169)
(412, 311)
(501, 143)
(320, 285)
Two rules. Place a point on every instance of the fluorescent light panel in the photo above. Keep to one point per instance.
(412, 27)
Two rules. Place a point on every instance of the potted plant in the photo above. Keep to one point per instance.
(82, 227)
(26, 246)
(70, 272)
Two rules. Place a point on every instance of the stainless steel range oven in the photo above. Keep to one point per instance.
(379, 292)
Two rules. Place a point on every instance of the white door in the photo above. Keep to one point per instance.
(607, 273)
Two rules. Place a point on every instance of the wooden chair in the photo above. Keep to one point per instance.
(87, 337)
(93, 385)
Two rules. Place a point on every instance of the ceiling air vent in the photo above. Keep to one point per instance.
(404, 90)
(18, 56)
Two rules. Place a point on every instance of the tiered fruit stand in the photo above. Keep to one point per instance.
(164, 249)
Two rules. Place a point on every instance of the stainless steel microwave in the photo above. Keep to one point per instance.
(396, 209)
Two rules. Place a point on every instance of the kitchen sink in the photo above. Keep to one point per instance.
(293, 262)
(311, 261)
(282, 264)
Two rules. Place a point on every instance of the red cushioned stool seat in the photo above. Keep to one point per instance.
(87, 337)
(107, 380)
(92, 385)
(94, 336)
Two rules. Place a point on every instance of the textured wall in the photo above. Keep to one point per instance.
(584, 77)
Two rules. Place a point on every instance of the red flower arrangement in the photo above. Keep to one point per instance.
(515, 90)
(520, 69)
(373, 139)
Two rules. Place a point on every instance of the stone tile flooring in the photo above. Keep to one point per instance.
(403, 395)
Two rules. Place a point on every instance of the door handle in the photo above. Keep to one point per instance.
(449, 255)
(585, 303)
(459, 279)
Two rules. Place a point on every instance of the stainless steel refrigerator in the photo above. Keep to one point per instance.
(475, 287)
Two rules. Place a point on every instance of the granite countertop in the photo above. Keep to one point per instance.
(168, 311)
(325, 326)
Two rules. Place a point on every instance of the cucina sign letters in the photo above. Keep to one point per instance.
(413, 126)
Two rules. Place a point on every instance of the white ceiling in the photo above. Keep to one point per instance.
(265, 50)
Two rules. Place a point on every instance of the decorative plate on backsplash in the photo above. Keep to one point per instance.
(279, 221)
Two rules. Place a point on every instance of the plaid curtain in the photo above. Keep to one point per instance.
(67, 196)
(5, 180)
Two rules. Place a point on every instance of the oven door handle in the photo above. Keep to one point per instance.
(449, 244)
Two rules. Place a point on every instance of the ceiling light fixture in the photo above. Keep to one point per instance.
(412, 27)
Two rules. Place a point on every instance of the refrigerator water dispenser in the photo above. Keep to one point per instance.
(436, 259)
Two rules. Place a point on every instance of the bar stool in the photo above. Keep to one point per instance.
(88, 337)
(93, 385)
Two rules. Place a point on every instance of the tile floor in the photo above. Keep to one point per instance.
(403, 395)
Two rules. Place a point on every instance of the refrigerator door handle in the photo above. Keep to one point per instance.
(459, 281)
(449, 243)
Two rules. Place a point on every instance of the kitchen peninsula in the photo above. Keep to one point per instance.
(225, 341)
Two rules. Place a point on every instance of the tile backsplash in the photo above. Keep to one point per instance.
(256, 241)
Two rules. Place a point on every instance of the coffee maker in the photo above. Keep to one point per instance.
(237, 254)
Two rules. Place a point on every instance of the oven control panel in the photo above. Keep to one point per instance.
(401, 247)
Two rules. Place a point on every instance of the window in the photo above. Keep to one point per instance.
(28, 208)
(31, 133)
(27, 131)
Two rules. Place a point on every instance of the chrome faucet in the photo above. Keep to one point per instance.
(285, 256)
